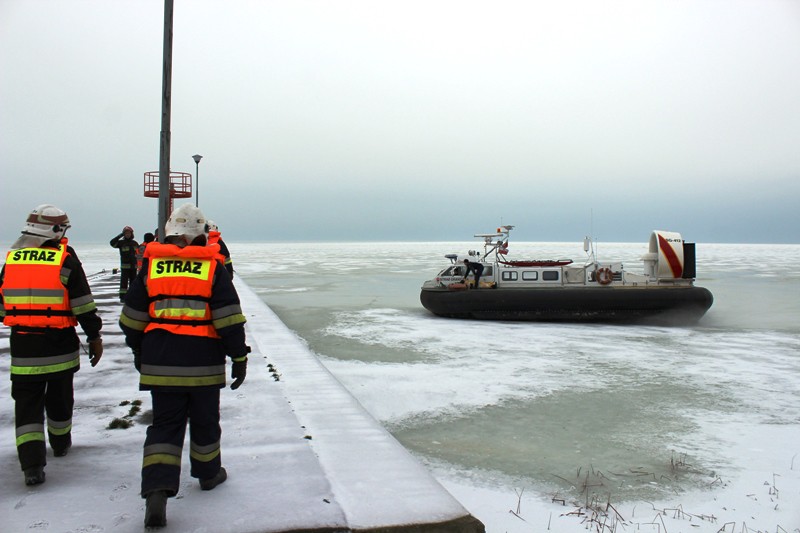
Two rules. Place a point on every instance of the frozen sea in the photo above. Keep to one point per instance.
(586, 414)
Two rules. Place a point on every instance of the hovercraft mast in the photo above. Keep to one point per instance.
(500, 247)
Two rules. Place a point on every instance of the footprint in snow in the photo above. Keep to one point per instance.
(119, 492)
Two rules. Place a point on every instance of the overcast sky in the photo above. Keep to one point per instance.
(410, 120)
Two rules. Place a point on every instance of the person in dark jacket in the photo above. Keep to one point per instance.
(44, 294)
(477, 270)
(181, 317)
(127, 259)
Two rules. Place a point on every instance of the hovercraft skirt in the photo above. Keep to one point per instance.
(668, 305)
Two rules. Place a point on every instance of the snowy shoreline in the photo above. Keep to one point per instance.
(766, 497)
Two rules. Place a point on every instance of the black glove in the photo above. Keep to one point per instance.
(238, 373)
(95, 350)
(137, 360)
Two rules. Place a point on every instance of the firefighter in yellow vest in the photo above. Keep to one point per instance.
(182, 316)
(43, 296)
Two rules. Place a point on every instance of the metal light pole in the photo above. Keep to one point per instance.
(197, 158)
(166, 115)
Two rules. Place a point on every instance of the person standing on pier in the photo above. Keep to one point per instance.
(148, 238)
(215, 237)
(127, 259)
(44, 294)
(181, 317)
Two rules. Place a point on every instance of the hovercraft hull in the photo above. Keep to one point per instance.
(654, 305)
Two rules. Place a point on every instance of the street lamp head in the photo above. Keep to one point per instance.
(197, 158)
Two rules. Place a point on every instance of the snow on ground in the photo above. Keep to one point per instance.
(764, 496)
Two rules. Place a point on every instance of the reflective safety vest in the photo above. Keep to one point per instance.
(213, 240)
(140, 255)
(179, 282)
(34, 293)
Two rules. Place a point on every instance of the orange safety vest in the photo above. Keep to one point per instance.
(33, 292)
(140, 255)
(179, 282)
(213, 239)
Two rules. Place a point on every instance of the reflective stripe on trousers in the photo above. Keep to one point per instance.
(36, 366)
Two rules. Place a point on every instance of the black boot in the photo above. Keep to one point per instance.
(208, 484)
(34, 476)
(61, 452)
(155, 513)
(64, 450)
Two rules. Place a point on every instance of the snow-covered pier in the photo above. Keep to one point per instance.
(301, 453)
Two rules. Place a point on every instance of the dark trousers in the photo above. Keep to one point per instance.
(127, 273)
(161, 465)
(32, 399)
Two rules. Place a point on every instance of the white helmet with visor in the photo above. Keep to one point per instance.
(45, 223)
(48, 221)
(187, 221)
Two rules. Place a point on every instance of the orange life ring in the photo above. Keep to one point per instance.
(604, 276)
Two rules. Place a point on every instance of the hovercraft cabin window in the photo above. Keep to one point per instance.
(530, 275)
(510, 276)
(550, 275)
(453, 271)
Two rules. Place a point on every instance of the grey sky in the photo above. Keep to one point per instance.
(412, 120)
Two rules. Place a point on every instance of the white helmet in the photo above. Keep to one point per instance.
(187, 221)
(212, 226)
(47, 221)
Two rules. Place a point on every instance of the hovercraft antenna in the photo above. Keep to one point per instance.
(588, 242)
(490, 245)
(588, 247)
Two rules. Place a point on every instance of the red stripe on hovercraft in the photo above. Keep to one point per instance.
(672, 258)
